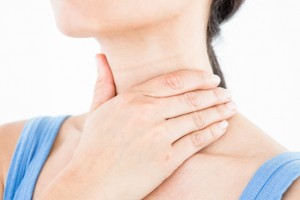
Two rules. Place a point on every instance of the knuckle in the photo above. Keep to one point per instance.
(157, 134)
(127, 96)
(198, 139)
(134, 89)
(133, 97)
(217, 93)
(166, 133)
(220, 109)
(145, 111)
(161, 134)
(141, 105)
(146, 107)
(214, 132)
(191, 99)
(173, 81)
(199, 120)
(163, 129)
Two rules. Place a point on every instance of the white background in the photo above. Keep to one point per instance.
(43, 72)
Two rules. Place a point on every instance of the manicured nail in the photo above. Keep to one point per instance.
(223, 124)
(231, 105)
(216, 79)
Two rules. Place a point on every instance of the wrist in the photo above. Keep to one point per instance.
(102, 187)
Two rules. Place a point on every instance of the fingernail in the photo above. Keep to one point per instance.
(231, 105)
(223, 124)
(216, 79)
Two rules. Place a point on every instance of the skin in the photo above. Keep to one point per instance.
(153, 148)
(164, 144)
(140, 45)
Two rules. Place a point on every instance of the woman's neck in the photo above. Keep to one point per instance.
(138, 55)
(141, 54)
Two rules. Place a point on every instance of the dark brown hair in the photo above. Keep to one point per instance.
(220, 12)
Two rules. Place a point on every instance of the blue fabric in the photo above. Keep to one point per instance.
(270, 181)
(273, 178)
(31, 152)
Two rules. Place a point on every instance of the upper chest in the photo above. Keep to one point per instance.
(200, 177)
(211, 175)
(207, 177)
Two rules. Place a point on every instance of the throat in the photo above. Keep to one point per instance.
(126, 78)
(138, 55)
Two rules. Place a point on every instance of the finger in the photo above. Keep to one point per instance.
(193, 101)
(194, 142)
(177, 83)
(105, 86)
(185, 124)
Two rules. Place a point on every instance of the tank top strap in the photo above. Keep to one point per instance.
(273, 178)
(31, 152)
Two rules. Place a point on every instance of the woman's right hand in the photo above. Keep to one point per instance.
(136, 140)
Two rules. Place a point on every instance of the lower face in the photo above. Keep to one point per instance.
(89, 18)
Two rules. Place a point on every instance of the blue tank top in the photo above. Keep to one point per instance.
(31, 152)
(270, 181)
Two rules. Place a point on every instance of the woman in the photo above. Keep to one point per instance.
(143, 40)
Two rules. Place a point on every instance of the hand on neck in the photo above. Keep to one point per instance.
(141, 54)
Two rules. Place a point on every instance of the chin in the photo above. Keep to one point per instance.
(72, 25)
(72, 30)
(94, 18)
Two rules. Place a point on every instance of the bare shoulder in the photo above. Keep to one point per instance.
(9, 134)
(293, 192)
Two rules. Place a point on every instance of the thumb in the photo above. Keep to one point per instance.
(105, 85)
